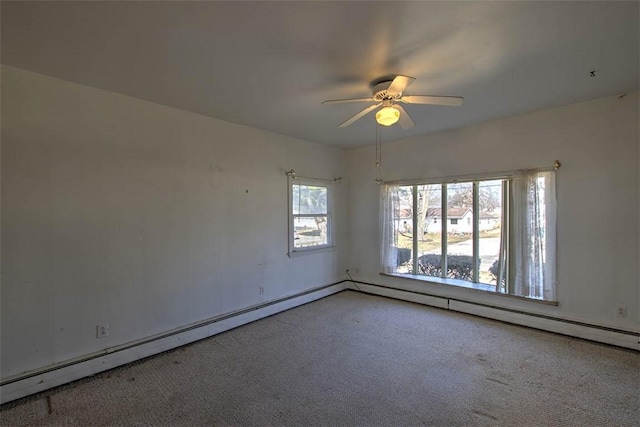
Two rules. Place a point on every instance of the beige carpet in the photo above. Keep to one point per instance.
(358, 360)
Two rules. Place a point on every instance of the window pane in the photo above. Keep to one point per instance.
(430, 224)
(310, 231)
(460, 231)
(489, 227)
(309, 199)
(403, 229)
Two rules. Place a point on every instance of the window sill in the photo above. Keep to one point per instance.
(477, 287)
(301, 252)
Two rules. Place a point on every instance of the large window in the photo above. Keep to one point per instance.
(495, 234)
(310, 222)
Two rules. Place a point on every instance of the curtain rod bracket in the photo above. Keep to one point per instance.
(291, 174)
(557, 164)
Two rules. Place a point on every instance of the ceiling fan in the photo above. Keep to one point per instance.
(387, 94)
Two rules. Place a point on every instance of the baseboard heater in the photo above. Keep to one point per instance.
(572, 328)
(45, 378)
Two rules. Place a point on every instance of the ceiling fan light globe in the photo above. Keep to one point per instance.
(387, 116)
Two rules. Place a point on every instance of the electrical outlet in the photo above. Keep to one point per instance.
(261, 290)
(621, 311)
(102, 330)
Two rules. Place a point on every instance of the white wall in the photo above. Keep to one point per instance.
(150, 218)
(598, 200)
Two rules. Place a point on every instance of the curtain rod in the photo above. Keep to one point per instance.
(473, 177)
(292, 174)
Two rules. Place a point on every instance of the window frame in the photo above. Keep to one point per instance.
(315, 182)
(506, 227)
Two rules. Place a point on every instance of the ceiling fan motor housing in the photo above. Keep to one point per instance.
(380, 91)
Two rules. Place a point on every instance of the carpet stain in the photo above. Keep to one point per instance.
(484, 415)
(480, 357)
(49, 406)
(497, 381)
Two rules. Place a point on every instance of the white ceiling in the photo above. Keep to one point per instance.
(270, 64)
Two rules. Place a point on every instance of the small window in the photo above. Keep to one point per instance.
(454, 221)
(310, 221)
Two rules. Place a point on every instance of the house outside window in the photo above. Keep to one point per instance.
(506, 244)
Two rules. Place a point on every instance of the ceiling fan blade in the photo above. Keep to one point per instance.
(405, 119)
(359, 115)
(451, 101)
(399, 84)
(341, 101)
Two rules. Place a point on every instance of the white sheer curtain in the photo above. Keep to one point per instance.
(388, 213)
(534, 234)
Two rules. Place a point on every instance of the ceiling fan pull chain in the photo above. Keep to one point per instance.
(377, 158)
(378, 147)
(380, 158)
